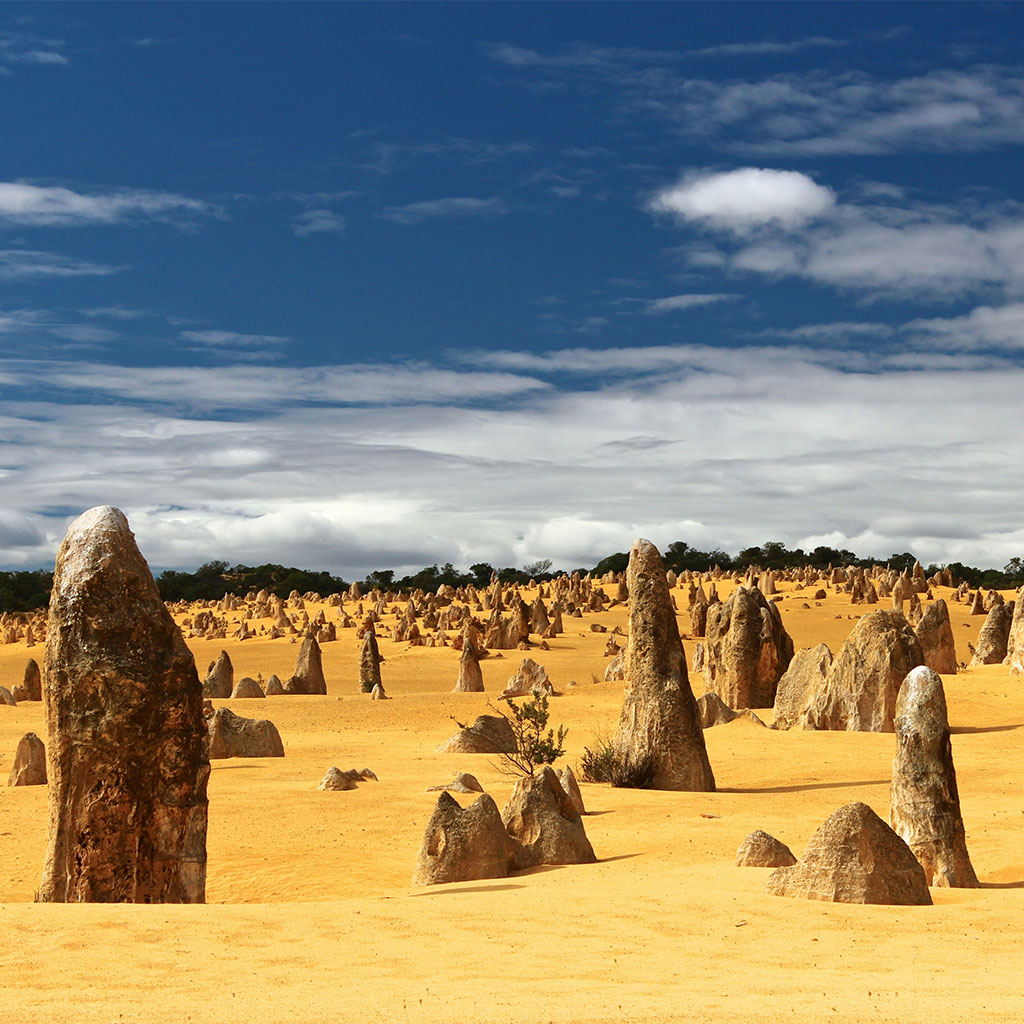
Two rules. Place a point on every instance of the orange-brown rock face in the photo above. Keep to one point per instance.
(659, 731)
(126, 755)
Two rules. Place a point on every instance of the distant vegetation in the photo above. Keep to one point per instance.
(27, 591)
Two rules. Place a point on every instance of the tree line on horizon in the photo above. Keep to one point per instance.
(28, 590)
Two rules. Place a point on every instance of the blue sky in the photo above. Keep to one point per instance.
(373, 286)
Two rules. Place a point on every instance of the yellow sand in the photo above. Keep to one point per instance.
(310, 916)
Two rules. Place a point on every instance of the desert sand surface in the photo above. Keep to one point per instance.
(310, 915)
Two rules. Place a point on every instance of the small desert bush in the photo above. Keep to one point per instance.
(534, 746)
(603, 763)
(598, 762)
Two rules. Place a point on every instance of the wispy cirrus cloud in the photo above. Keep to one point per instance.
(17, 47)
(27, 264)
(676, 303)
(769, 47)
(819, 112)
(450, 206)
(318, 222)
(385, 157)
(27, 205)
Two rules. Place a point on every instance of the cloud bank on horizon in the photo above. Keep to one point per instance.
(463, 292)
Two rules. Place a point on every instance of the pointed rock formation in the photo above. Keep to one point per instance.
(309, 670)
(460, 845)
(761, 850)
(31, 687)
(567, 778)
(1015, 641)
(234, 736)
(369, 663)
(859, 693)
(274, 687)
(935, 635)
(994, 636)
(529, 678)
(659, 726)
(29, 762)
(540, 815)
(471, 677)
(747, 650)
(855, 858)
(924, 805)
(127, 758)
(714, 711)
(803, 679)
(220, 677)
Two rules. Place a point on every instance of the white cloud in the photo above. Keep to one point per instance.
(312, 222)
(985, 327)
(768, 47)
(459, 482)
(674, 303)
(238, 387)
(232, 339)
(796, 113)
(451, 206)
(51, 206)
(746, 198)
(17, 264)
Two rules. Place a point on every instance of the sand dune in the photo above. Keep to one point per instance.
(310, 915)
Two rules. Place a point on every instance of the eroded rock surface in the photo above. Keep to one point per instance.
(29, 767)
(804, 678)
(127, 757)
(462, 844)
(489, 734)
(747, 649)
(220, 678)
(924, 804)
(935, 635)
(761, 850)
(659, 725)
(234, 736)
(854, 857)
(859, 692)
(308, 677)
(540, 815)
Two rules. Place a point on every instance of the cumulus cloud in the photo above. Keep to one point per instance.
(30, 205)
(746, 198)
